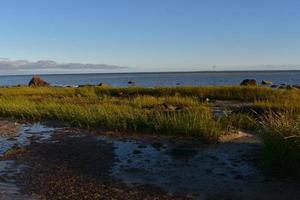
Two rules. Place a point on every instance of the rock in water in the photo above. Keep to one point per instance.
(131, 83)
(264, 82)
(37, 82)
(249, 82)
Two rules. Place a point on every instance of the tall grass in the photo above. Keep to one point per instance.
(213, 92)
(240, 121)
(141, 113)
(250, 94)
(170, 110)
(140, 108)
(281, 134)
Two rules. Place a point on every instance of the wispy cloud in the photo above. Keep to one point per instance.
(8, 66)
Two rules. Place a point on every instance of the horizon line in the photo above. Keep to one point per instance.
(154, 72)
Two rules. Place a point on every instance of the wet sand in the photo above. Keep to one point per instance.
(64, 163)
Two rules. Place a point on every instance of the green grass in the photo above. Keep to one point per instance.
(86, 107)
(171, 111)
(240, 121)
(250, 94)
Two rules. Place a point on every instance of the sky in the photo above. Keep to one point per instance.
(52, 36)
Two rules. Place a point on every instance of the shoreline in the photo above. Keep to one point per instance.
(165, 79)
(163, 72)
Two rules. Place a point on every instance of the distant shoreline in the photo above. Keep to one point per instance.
(164, 72)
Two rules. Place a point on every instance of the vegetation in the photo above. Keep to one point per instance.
(281, 133)
(274, 113)
(87, 107)
(250, 94)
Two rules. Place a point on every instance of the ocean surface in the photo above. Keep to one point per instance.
(160, 79)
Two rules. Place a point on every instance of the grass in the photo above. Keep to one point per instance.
(281, 134)
(181, 111)
(86, 107)
(240, 121)
(249, 94)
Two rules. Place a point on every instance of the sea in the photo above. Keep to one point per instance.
(159, 78)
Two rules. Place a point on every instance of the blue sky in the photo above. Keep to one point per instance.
(152, 35)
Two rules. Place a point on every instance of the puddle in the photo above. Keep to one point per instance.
(24, 135)
(184, 169)
(199, 171)
(20, 135)
(8, 188)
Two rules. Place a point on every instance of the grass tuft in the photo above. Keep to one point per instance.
(281, 133)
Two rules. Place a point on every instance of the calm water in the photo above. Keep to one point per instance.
(161, 79)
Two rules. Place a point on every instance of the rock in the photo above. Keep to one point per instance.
(131, 82)
(288, 87)
(170, 107)
(37, 82)
(264, 82)
(86, 85)
(274, 86)
(249, 82)
(103, 85)
(296, 86)
(167, 106)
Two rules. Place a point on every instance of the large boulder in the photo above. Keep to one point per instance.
(36, 81)
(249, 82)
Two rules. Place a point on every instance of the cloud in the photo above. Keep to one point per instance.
(269, 67)
(8, 66)
(281, 67)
